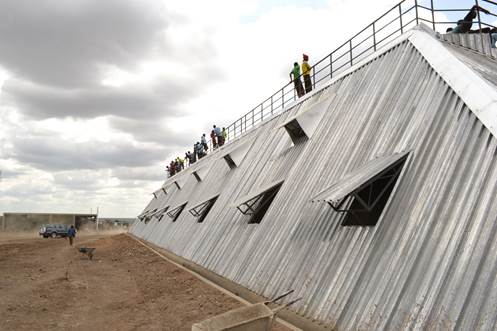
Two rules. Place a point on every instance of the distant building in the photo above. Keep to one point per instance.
(112, 222)
(32, 221)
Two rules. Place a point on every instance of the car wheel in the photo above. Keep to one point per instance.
(54, 234)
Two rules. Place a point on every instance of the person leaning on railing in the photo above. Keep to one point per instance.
(296, 79)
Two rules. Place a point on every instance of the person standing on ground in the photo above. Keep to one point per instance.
(71, 234)
(306, 72)
(296, 79)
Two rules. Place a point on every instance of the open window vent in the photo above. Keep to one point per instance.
(257, 203)
(200, 211)
(160, 213)
(303, 125)
(236, 154)
(229, 161)
(363, 194)
(174, 213)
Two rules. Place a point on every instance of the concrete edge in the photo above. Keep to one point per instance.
(286, 316)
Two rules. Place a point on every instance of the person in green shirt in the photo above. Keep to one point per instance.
(296, 79)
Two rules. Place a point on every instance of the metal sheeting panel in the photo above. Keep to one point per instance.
(430, 260)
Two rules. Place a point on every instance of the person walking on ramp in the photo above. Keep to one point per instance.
(296, 79)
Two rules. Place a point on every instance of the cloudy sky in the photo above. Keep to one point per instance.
(96, 96)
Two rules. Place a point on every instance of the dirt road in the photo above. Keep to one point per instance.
(47, 285)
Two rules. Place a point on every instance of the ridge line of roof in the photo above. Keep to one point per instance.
(478, 94)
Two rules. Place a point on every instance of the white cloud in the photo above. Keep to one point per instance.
(119, 89)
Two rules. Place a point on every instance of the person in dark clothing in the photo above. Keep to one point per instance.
(189, 157)
(214, 139)
(464, 25)
(195, 156)
(71, 234)
(200, 150)
(203, 140)
(172, 168)
(296, 79)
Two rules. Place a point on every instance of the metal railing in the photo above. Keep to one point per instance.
(393, 23)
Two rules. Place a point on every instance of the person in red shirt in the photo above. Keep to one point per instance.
(213, 139)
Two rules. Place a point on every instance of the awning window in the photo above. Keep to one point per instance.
(257, 203)
(236, 154)
(201, 210)
(364, 192)
(200, 172)
(174, 213)
(147, 216)
(160, 213)
(303, 125)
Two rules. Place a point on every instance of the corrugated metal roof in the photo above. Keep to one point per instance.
(429, 263)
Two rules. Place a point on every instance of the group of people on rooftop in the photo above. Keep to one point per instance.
(200, 149)
(464, 25)
(306, 74)
(218, 136)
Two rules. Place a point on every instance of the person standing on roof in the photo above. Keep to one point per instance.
(213, 139)
(224, 134)
(296, 79)
(195, 156)
(464, 25)
(219, 136)
(203, 140)
(189, 157)
(200, 150)
(306, 72)
(493, 39)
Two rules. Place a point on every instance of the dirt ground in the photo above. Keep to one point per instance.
(46, 284)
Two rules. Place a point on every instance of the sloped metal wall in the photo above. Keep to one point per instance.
(430, 262)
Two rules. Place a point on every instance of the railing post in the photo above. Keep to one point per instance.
(350, 47)
(313, 78)
(417, 15)
(479, 27)
(400, 19)
(331, 65)
(282, 99)
(432, 15)
(374, 36)
(253, 119)
(272, 109)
